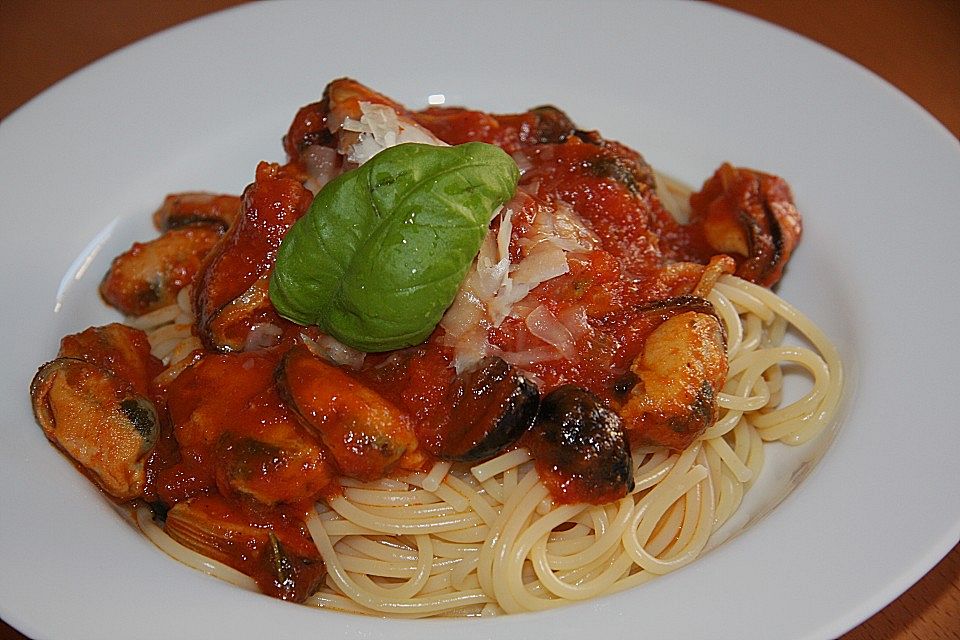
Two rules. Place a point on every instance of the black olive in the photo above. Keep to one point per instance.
(493, 406)
(581, 448)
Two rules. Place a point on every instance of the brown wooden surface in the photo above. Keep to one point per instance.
(915, 45)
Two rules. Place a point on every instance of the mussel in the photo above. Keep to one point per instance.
(149, 275)
(280, 558)
(750, 215)
(206, 398)
(99, 421)
(366, 434)
(246, 254)
(118, 348)
(268, 457)
(679, 374)
(247, 322)
(192, 208)
(309, 128)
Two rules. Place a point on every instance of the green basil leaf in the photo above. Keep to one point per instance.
(384, 248)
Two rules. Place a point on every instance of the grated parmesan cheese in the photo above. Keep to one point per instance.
(496, 288)
(380, 128)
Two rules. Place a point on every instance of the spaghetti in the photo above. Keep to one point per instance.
(488, 539)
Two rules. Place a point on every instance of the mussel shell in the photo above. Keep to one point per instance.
(219, 529)
(231, 328)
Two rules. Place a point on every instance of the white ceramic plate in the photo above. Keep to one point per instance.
(83, 165)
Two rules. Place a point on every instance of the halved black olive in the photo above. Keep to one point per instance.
(580, 447)
(493, 406)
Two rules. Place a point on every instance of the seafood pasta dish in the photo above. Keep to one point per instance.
(443, 363)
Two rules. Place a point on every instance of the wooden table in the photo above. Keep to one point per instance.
(913, 45)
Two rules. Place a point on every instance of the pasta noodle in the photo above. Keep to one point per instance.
(487, 539)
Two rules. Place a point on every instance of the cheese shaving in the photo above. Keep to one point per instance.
(380, 128)
(496, 288)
